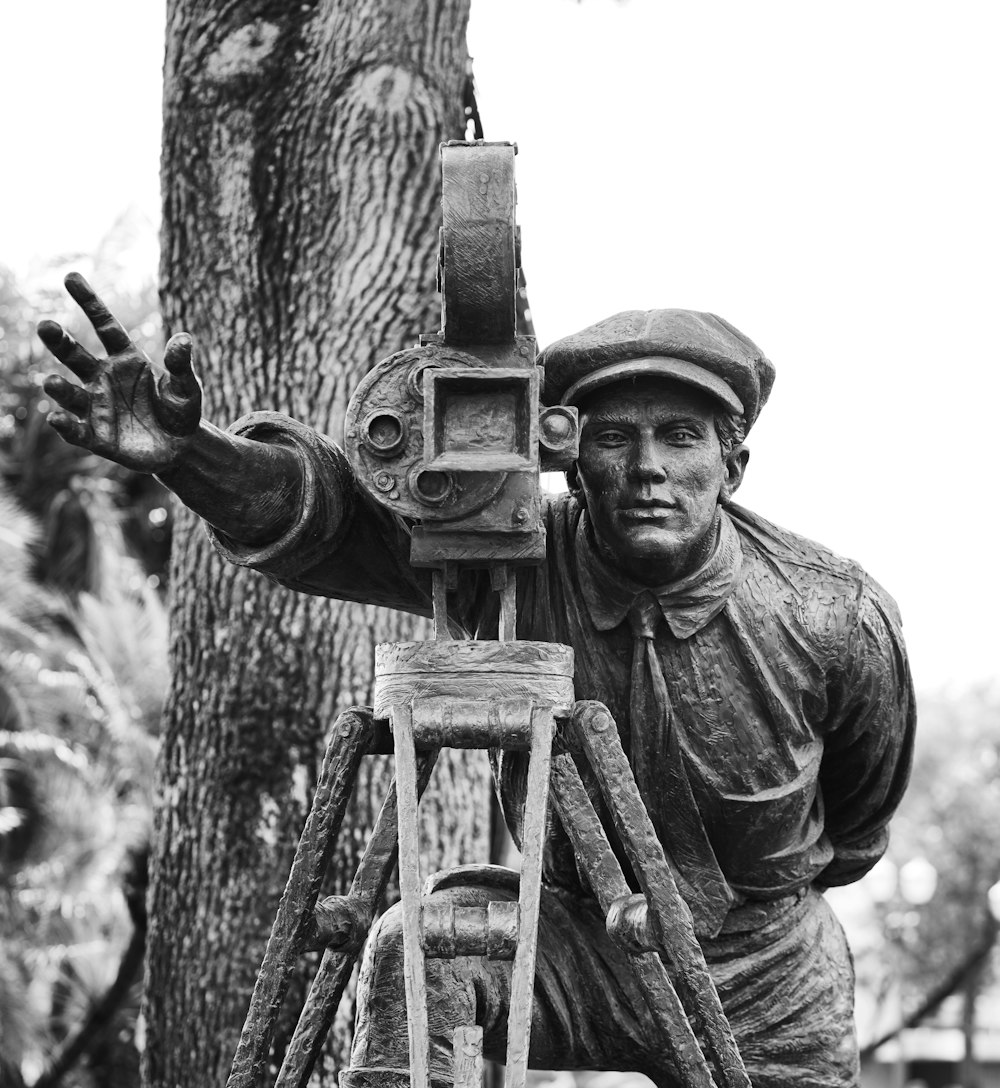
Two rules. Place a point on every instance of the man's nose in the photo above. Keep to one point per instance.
(646, 461)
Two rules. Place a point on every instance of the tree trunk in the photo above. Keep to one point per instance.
(300, 235)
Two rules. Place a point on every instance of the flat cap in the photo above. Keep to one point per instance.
(698, 349)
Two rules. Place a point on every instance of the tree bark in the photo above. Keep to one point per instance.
(300, 234)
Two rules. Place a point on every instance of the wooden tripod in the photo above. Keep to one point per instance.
(423, 689)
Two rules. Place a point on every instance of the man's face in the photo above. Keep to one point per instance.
(652, 472)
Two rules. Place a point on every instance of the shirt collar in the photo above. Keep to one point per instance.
(687, 604)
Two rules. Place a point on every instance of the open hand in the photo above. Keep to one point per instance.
(128, 409)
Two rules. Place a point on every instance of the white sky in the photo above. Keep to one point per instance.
(825, 176)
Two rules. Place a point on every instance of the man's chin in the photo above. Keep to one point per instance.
(649, 544)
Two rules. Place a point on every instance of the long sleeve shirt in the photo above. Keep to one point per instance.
(785, 666)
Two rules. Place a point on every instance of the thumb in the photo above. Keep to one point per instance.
(178, 403)
(182, 383)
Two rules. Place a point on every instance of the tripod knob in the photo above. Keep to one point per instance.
(340, 922)
(630, 926)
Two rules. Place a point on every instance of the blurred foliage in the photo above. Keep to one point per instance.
(67, 489)
(81, 685)
(930, 896)
(949, 819)
(83, 673)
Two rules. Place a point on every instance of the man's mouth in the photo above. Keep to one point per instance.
(646, 510)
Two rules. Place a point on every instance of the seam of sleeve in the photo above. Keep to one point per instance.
(855, 632)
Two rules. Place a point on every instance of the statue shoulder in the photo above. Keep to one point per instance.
(830, 592)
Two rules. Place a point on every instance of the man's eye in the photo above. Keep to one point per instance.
(682, 436)
(610, 438)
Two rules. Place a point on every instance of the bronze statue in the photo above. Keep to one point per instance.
(758, 682)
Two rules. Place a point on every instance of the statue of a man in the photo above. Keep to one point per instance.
(759, 681)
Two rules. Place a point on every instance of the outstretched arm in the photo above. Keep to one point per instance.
(148, 418)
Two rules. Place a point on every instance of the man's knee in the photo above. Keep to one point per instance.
(461, 990)
(387, 932)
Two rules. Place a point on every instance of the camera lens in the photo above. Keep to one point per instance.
(383, 434)
(432, 487)
(557, 428)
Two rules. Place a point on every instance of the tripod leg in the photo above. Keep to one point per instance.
(607, 880)
(351, 738)
(410, 892)
(335, 968)
(529, 898)
(469, 1057)
(595, 728)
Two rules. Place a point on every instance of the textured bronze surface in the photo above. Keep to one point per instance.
(478, 243)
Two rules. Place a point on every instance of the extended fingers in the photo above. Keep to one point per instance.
(71, 428)
(67, 350)
(67, 395)
(109, 330)
(71, 419)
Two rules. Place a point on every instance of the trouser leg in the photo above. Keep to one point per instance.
(787, 989)
(588, 1011)
(381, 1039)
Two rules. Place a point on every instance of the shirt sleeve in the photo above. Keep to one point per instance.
(342, 543)
(868, 748)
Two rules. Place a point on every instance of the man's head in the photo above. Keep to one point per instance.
(652, 470)
(665, 399)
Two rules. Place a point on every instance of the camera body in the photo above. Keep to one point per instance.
(451, 434)
(454, 439)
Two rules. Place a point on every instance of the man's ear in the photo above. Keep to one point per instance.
(736, 465)
(573, 479)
